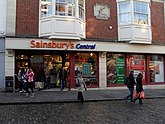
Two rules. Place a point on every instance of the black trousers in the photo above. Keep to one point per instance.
(80, 97)
(20, 85)
(140, 100)
(31, 86)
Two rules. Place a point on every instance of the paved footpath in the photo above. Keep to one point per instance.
(104, 112)
(51, 96)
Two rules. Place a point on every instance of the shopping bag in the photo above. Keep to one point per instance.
(135, 95)
(58, 82)
(142, 95)
(39, 85)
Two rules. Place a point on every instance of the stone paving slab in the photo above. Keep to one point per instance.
(70, 96)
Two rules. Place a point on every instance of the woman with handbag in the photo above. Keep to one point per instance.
(81, 86)
(139, 89)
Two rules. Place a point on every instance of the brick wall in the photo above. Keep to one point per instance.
(157, 22)
(96, 28)
(27, 18)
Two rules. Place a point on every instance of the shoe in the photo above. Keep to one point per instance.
(32, 95)
(20, 91)
(140, 103)
(133, 102)
(26, 95)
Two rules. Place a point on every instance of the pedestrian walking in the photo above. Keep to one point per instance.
(30, 83)
(139, 88)
(130, 86)
(81, 86)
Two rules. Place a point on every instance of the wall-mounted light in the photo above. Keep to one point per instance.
(110, 27)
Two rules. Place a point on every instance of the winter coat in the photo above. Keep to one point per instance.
(82, 86)
(139, 85)
(132, 81)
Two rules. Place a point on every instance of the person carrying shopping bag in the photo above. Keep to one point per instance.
(139, 89)
(81, 86)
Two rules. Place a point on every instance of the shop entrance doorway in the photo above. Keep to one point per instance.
(50, 67)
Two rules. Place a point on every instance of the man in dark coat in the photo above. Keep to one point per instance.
(130, 87)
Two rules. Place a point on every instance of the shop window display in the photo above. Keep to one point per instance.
(48, 66)
(86, 63)
(156, 68)
(21, 62)
(115, 68)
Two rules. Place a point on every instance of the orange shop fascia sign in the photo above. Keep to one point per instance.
(52, 44)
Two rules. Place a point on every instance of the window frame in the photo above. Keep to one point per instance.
(144, 13)
(124, 13)
(141, 20)
(70, 8)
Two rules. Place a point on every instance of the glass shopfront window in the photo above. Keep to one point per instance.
(86, 63)
(136, 63)
(49, 66)
(115, 68)
(156, 66)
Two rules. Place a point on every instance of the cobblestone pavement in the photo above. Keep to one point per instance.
(105, 112)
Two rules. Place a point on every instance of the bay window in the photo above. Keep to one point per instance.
(62, 19)
(134, 21)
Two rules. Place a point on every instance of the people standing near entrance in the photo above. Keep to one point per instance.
(20, 79)
(130, 86)
(81, 86)
(48, 79)
(139, 88)
(30, 75)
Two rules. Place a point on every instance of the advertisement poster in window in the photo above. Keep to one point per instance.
(115, 69)
(87, 69)
(136, 64)
(111, 70)
(120, 70)
(156, 68)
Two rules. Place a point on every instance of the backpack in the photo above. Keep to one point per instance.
(127, 81)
